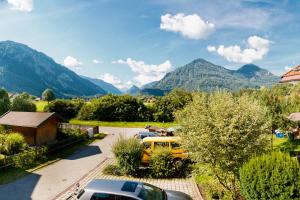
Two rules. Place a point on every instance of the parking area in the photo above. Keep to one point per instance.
(186, 185)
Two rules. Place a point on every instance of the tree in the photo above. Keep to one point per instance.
(116, 108)
(170, 103)
(222, 132)
(273, 176)
(4, 102)
(67, 109)
(23, 102)
(48, 95)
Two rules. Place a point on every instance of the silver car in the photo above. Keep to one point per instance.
(100, 189)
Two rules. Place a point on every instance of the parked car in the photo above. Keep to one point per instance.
(142, 135)
(172, 143)
(100, 189)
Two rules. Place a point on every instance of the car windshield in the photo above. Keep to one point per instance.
(149, 192)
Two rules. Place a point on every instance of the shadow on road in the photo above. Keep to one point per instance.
(87, 151)
(20, 189)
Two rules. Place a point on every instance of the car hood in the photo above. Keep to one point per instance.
(175, 195)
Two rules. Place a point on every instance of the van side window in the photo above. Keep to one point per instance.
(175, 145)
(147, 145)
(161, 144)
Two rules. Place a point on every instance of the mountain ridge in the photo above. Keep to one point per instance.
(202, 75)
(108, 87)
(23, 69)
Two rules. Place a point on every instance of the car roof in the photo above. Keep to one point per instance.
(114, 187)
(161, 139)
(147, 132)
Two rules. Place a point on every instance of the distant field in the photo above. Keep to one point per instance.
(122, 124)
(40, 105)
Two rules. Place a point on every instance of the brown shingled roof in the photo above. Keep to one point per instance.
(25, 119)
(292, 75)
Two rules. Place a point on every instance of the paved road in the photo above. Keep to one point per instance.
(46, 183)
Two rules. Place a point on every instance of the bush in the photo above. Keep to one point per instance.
(14, 143)
(25, 159)
(67, 109)
(72, 133)
(161, 163)
(112, 170)
(128, 153)
(23, 102)
(274, 176)
(115, 108)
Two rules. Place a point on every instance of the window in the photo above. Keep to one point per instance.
(175, 145)
(151, 192)
(161, 144)
(103, 196)
(147, 145)
(129, 186)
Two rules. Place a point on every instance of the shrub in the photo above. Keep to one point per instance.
(86, 112)
(273, 176)
(23, 102)
(25, 159)
(115, 108)
(4, 101)
(112, 170)
(161, 163)
(128, 152)
(14, 143)
(72, 133)
(67, 109)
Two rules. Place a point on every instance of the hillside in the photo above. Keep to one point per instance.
(109, 88)
(201, 75)
(23, 69)
(133, 90)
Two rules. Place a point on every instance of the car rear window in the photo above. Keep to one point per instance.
(161, 144)
(129, 186)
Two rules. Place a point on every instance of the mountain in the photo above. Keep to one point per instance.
(134, 90)
(109, 88)
(201, 75)
(23, 69)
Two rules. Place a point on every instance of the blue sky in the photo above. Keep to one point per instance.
(138, 41)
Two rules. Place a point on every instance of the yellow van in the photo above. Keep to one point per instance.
(173, 143)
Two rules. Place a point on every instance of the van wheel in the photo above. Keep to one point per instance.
(178, 163)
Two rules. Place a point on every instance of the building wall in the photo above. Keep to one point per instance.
(28, 133)
(47, 132)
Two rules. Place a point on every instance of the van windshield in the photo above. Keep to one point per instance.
(149, 192)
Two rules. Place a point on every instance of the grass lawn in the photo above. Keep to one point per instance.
(283, 144)
(122, 124)
(40, 105)
(12, 174)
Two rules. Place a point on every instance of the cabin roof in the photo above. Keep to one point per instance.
(25, 119)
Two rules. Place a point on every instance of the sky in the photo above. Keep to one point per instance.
(134, 42)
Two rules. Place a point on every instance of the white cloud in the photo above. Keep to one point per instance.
(95, 61)
(109, 78)
(145, 73)
(72, 62)
(21, 5)
(190, 26)
(211, 48)
(257, 48)
(287, 68)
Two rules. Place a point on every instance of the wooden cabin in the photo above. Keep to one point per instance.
(38, 128)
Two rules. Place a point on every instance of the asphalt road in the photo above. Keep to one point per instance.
(48, 182)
